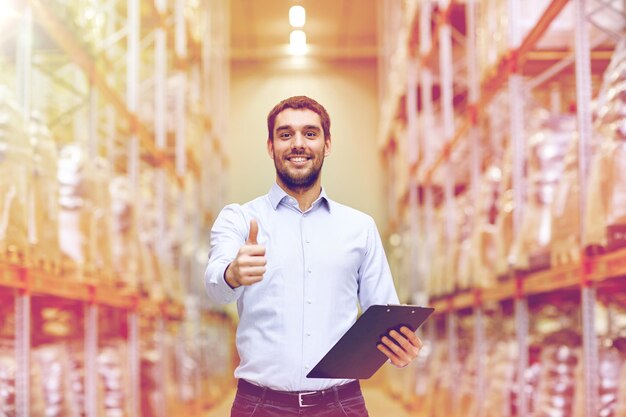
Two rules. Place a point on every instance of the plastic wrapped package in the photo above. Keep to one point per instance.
(8, 369)
(438, 282)
(565, 248)
(423, 378)
(467, 367)
(150, 379)
(124, 238)
(482, 246)
(620, 407)
(441, 385)
(546, 161)
(560, 359)
(462, 248)
(500, 362)
(15, 181)
(504, 220)
(148, 227)
(44, 196)
(84, 230)
(605, 221)
(187, 364)
(113, 374)
(53, 383)
(76, 375)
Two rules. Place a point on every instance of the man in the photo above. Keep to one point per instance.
(297, 263)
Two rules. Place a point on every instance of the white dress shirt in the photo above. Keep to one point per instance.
(321, 264)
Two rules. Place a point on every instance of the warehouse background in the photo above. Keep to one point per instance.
(485, 137)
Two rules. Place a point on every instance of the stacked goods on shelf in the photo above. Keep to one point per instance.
(483, 249)
(565, 248)
(15, 179)
(465, 216)
(606, 205)
(84, 234)
(532, 247)
(94, 208)
(44, 200)
(8, 370)
(501, 353)
(113, 377)
(438, 284)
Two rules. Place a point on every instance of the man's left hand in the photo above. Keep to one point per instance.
(400, 347)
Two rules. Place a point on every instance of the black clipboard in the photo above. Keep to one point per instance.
(355, 355)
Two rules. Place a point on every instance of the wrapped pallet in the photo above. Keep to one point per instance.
(605, 221)
(15, 182)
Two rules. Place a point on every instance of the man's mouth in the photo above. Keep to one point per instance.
(298, 159)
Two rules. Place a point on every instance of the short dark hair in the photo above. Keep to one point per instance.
(298, 103)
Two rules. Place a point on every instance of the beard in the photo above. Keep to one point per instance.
(299, 179)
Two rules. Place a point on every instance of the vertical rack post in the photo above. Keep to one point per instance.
(516, 114)
(91, 354)
(23, 58)
(160, 138)
(412, 158)
(447, 109)
(476, 160)
(132, 103)
(426, 88)
(588, 290)
(132, 88)
(162, 366)
(160, 122)
(134, 362)
(22, 347)
(24, 50)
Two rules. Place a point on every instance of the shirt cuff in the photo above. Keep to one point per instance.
(216, 286)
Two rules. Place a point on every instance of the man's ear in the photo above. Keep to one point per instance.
(270, 148)
(327, 146)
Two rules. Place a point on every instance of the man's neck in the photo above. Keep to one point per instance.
(304, 196)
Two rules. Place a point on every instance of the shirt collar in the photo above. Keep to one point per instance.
(277, 194)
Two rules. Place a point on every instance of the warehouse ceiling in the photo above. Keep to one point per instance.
(335, 29)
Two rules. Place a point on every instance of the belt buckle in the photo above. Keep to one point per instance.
(300, 394)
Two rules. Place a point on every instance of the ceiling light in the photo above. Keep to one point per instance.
(297, 42)
(297, 16)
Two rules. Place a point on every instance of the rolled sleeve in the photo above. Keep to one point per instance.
(227, 236)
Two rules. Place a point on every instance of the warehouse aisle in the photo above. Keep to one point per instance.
(378, 402)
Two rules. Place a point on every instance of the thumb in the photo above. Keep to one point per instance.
(254, 231)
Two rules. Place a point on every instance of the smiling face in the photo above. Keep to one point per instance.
(298, 147)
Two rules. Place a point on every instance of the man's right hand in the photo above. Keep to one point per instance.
(249, 265)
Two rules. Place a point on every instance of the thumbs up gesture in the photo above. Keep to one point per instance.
(249, 265)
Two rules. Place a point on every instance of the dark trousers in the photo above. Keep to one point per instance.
(255, 401)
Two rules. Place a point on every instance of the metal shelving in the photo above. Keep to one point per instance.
(428, 172)
(108, 81)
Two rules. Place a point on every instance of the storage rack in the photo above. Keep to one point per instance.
(419, 32)
(109, 105)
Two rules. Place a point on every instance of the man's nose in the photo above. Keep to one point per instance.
(298, 140)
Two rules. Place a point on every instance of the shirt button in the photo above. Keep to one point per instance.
(306, 366)
(309, 302)
(308, 334)
(309, 271)
(304, 215)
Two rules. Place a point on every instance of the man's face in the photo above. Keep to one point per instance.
(298, 148)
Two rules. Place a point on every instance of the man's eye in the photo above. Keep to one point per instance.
(311, 134)
(285, 135)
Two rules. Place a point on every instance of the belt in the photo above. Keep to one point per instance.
(301, 398)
